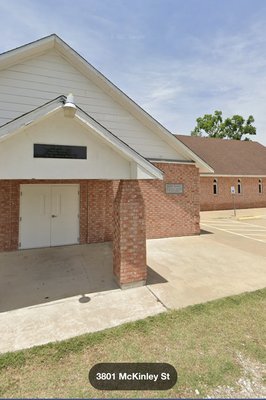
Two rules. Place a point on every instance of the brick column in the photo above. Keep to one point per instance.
(9, 215)
(129, 241)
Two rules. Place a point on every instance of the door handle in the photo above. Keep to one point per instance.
(54, 216)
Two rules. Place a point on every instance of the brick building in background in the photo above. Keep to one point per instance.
(90, 168)
(237, 164)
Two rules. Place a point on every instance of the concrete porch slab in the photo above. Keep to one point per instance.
(36, 276)
(52, 294)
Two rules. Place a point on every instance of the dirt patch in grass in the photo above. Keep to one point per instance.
(207, 344)
(251, 384)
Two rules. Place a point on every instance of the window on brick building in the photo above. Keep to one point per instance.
(239, 186)
(260, 186)
(215, 186)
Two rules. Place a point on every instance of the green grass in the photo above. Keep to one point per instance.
(201, 342)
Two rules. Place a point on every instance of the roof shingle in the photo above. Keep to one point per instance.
(229, 157)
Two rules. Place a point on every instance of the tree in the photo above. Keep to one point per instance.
(231, 128)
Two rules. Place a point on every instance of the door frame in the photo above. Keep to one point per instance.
(48, 184)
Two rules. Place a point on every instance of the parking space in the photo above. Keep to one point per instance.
(255, 230)
(247, 223)
(229, 257)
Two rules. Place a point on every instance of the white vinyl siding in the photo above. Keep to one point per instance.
(17, 161)
(32, 83)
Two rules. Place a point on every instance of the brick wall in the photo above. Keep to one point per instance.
(170, 215)
(101, 196)
(249, 198)
(166, 214)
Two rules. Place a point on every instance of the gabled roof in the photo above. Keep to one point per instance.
(40, 46)
(229, 157)
(33, 117)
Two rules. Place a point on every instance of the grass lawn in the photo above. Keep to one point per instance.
(202, 342)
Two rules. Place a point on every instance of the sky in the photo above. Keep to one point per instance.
(178, 59)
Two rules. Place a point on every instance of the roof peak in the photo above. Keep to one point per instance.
(53, 41)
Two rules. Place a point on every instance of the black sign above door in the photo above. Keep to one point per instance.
(59, 151)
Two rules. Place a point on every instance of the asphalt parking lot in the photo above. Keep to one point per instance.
(246, 231)
(229, 257)
(249, 224)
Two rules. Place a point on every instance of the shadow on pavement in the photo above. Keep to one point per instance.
(38, 276)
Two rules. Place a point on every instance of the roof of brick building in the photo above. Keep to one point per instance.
(228, 157)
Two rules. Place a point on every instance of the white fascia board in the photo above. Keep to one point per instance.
(13, 127)
(26, 51)
(172, 161)
(117, 144)
(138, 172)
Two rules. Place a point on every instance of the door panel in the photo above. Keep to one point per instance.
(49, 215)
(64, 215)
(35, 216)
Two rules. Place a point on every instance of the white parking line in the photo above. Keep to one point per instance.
(238, 226)
(248, 229)
(222, 222)
(257, 234)
(231, 222)
(233, 233)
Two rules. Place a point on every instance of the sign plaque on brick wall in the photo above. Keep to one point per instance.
(174, 188)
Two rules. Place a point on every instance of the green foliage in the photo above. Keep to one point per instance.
(235, 127)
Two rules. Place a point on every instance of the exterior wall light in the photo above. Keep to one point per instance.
(70, 107)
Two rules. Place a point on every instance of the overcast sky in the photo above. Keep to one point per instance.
(178, 59)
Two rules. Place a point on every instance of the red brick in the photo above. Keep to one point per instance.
(166, 214)
(129, 237)
(249, 198)
(170, 215)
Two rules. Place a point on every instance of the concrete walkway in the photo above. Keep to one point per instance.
(63, 319)
(54, 294)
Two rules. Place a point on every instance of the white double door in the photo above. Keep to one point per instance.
(49, 215)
